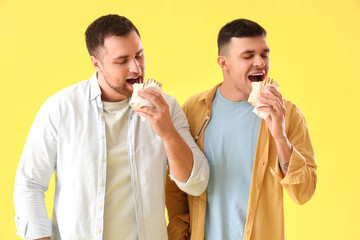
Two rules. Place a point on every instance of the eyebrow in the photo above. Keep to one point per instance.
(126, 56)
(252, 51)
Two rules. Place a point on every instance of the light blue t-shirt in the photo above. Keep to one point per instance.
(229, 144)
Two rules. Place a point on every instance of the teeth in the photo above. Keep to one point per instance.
(257, 74)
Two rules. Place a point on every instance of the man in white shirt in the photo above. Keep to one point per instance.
(110, 165)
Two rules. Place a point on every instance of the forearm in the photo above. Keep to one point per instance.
(284, 150)
(179, 156)
(300, 180)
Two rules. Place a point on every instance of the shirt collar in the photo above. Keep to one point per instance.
(209, 95)
(94, 87)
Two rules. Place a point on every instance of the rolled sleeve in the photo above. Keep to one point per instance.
(33, 174)
(199, 177)
(33, 229)
(296, 170)
(300, 179)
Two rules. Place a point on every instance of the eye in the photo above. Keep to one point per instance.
(264, 56)
(139, 55)
(248, 56)
(122, 62)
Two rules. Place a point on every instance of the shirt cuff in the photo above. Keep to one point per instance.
(33, 229)
(296, 170)
(197, 182)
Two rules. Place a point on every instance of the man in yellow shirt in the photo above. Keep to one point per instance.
(251, 159)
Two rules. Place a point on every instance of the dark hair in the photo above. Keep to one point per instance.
(238, 28)
(105, 26)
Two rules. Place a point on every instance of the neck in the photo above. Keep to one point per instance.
(232, 94)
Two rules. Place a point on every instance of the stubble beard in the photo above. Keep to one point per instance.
(121, 89)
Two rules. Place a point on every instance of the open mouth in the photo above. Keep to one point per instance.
(132, 81)
(256, 77)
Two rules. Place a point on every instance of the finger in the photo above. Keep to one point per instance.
(265, 109)
(280, 107)
(276, 92)
(148, 110)
(268, 96)
(145, 115)
(274, 103)
(269, 110)
(151, 98)
(157, 94)
(278, 95)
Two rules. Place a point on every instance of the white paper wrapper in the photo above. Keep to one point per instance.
(261, 114)
(137, 101)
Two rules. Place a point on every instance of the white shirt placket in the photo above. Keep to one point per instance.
(101, 182)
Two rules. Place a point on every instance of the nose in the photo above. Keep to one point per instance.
(259, 62)
(134, 66)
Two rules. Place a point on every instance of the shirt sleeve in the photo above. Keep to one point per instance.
(300, 179)
(33, 174)
(199, 177)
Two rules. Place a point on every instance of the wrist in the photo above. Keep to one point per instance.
(170, 135)
(281, 139)
(283, 146)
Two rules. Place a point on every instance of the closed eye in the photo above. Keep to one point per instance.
(122, 62)
(248, 57)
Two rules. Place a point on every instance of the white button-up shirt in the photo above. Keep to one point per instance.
(68, 137)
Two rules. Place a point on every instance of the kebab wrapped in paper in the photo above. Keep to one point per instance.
(254, 97)
(149, 83)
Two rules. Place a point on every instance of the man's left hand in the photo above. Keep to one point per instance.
(159, 116)
(276, 109)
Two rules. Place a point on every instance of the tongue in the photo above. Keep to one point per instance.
(255, 78)
(131, 81)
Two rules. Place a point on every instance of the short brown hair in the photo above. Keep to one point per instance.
(238, 28)
(105, 26)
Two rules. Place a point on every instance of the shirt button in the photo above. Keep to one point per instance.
(102, 160)
(101, 115)
(99, 207)
(102, 184)
(102, 136)
(99, 230)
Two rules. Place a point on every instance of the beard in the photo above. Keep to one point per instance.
(122, 89)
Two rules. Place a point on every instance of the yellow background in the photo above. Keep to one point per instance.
(315, 57)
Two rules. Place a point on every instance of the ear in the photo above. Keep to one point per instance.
(96, 63)
(222, 61)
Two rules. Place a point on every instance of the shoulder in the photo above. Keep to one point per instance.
(75, 92)
(168, 98)
(71, 97)
(294, 116)
(80, 89)
(199, 101)
(174, 105)
(197, 98)
(292, 110)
